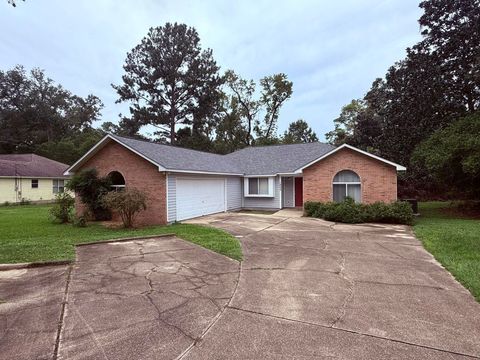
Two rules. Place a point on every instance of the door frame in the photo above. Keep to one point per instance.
(300, 178)
(292, 178)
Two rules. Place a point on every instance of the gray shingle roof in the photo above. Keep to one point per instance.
(30, 165)
(277, 159)
(262, 160)
(177, 158)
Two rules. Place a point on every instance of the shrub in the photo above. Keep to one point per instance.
(6, 203)
(401, 213)
(375, 212)
(310, 207)
(316, 209)
(62, 209)
(346, 211)
(127, 203)
(91, 188)
(350, 212)
(25, 202)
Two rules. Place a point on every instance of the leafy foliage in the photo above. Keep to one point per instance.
(91, 188)
(62, 209)
(437, 83)
(276, 89)
(127, 203)
(240, 96)
(348, 211)
(169, 80)
(71, 148)
(451, 156)
(34, 110)
(299, 132)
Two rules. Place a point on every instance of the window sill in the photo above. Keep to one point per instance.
(258, 196)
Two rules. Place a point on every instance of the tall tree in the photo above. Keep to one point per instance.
(437, 83)
(230, 132)
(242, 101)
(242, 96)
(276, 89)
(451, 31)
(451, 156)
(346, 123)
(299, 132)
(35, 110)
(169, 80)
(70, 148)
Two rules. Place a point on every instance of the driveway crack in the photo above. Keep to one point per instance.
(350, 294)
(215, 320)
(62, 312)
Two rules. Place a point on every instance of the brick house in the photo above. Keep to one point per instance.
(183, 183)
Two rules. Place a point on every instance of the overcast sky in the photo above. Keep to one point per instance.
(331, 50)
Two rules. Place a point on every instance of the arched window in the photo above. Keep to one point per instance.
(347, 183)
(117, 181)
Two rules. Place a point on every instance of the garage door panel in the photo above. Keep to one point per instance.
(197, 197)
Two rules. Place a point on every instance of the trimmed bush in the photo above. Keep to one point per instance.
(348, 211)
(62, 209)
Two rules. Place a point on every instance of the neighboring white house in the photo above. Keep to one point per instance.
(30, 177)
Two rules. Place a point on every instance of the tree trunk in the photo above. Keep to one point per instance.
(172, 133)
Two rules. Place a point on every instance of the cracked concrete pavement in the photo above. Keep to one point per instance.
(314, 289)
(306, 289)
(143, 299)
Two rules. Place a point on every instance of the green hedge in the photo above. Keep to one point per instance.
(348, 211)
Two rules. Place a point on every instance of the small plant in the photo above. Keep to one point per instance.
(62, 209)
(127, 203)
(6, 203)
(79, 221)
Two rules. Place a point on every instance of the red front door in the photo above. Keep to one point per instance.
(298, 191)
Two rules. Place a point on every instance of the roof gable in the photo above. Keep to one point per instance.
(346, 146)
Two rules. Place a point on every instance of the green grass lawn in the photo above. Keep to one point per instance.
(27, 235)
(453, 241)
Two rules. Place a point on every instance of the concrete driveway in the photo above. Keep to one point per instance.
(307, 289)
(313, 289)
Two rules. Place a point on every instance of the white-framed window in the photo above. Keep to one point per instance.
(347, 183)
(258, 186)
(34, 183)
(58, 186)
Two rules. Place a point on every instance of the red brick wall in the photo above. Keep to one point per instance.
(138, 173)
(379, 180)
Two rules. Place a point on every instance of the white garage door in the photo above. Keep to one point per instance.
(198, 196)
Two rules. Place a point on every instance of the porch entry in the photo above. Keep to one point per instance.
(292, 191)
